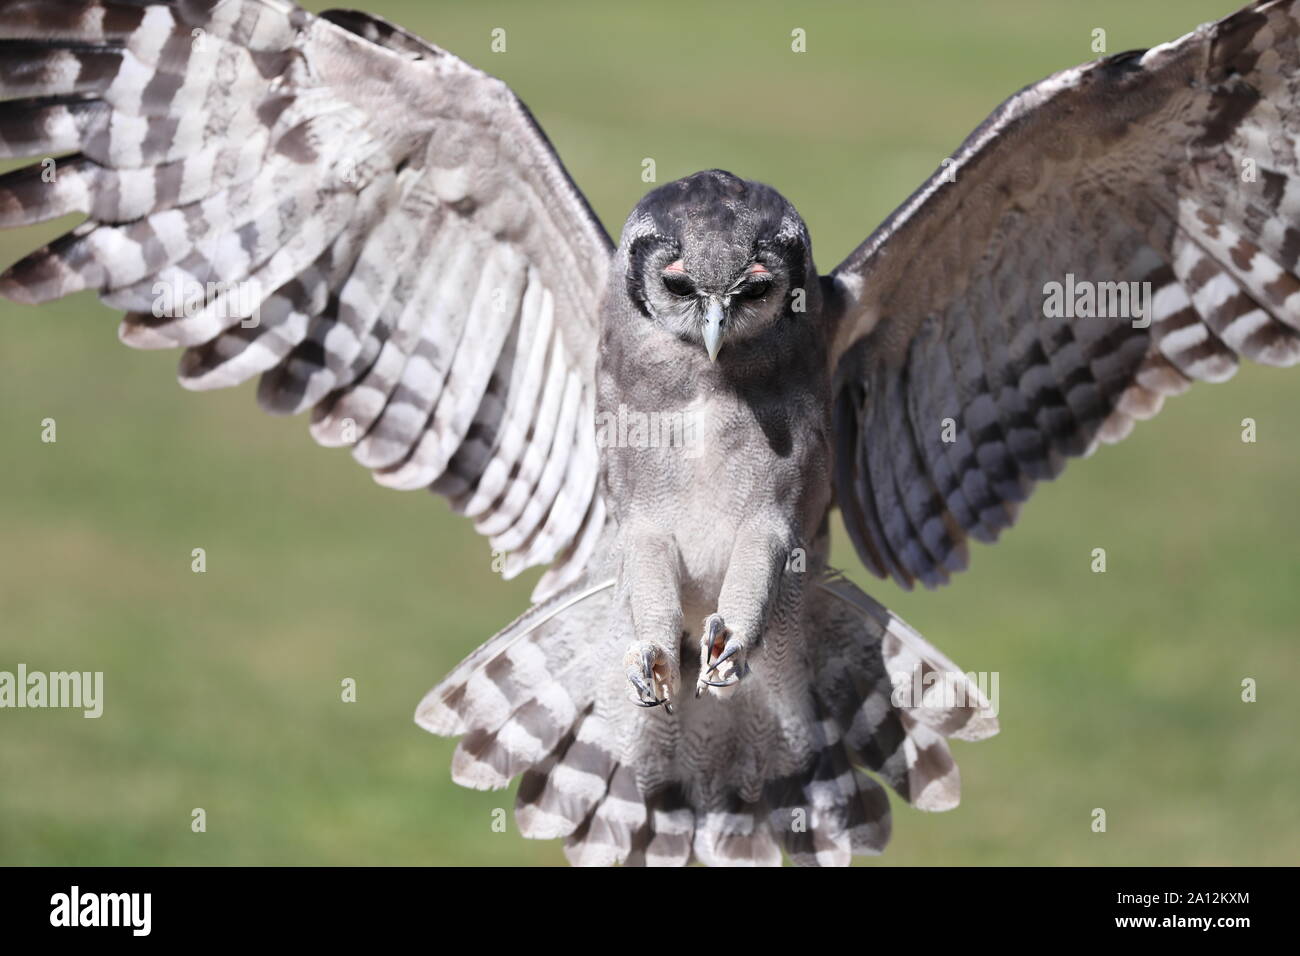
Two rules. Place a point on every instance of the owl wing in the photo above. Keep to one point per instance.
(969, 363)
(379, 230)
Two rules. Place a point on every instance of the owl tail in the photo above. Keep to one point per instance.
(779, 768)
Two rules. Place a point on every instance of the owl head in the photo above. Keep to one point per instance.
(716, 260)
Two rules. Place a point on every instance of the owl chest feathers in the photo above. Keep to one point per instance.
(693, 451)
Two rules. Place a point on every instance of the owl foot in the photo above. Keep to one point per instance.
(722, 656)
(652, 674)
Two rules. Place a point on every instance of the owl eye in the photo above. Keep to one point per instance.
(755, 288)
(678, 283)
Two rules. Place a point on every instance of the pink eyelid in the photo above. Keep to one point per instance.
(756, 269)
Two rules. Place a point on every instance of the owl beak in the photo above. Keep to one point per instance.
(714, 317)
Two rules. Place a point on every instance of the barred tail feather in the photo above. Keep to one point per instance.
(793, 768)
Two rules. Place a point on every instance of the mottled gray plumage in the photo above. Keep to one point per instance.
(429, 282)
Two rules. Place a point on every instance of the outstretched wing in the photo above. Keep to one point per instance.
(376, 228)
(967, 367)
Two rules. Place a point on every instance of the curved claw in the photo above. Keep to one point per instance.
(642, 688)
(655, 703)
(725, 656)
(729, 682)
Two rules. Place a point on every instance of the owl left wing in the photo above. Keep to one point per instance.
(376, 228)
(998, 323)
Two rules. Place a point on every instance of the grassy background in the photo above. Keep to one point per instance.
(1118, 691)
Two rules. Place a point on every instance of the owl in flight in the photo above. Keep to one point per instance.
(383, 234)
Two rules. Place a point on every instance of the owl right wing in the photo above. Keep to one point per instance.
(377, 229)
(969, 364)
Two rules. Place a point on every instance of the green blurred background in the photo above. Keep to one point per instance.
(1118, 690)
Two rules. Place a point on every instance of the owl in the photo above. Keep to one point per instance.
(383, 235)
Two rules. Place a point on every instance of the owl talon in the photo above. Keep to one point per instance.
(652, 675)
(722, 656)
